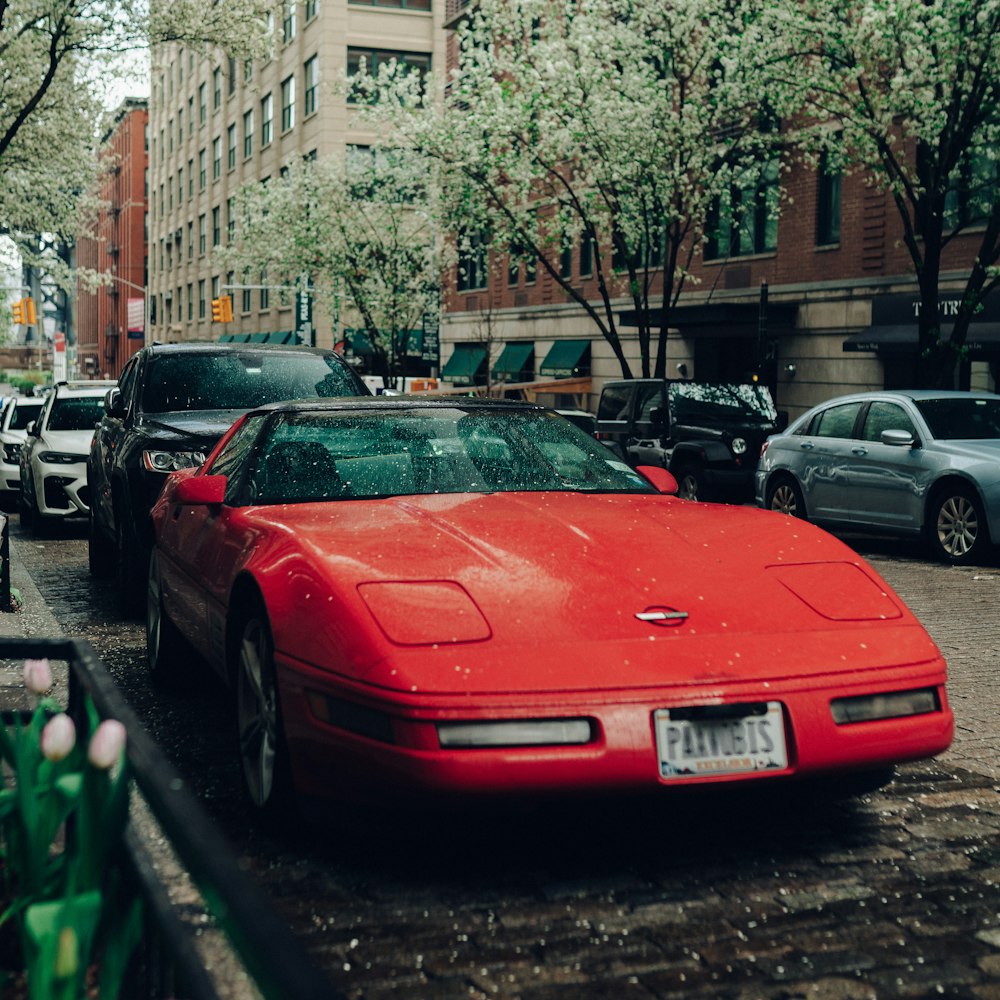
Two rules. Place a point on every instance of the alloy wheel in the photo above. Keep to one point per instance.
(257, 712)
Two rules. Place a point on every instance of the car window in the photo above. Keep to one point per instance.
(353, 455)
(883, 416)
(614, 402)
(959, 418)
(650, 398)
(719, 403)
(22, 414)
(230, 460)
(836, 421)
(74, 413)
(242, 381)
(127, 380)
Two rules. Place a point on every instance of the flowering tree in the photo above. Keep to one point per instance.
(909, 91)
(611, 124)
(355, 231)
(57, 59)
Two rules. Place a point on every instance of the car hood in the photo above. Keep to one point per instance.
(180, 425)
(72, 442)
(542, 592)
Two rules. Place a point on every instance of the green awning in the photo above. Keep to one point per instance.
(358, 342)
(514, 358)
(234, 338)
(258, 338)
(567, 358)
(464, 364)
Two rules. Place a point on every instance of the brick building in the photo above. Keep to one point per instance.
(111, 320)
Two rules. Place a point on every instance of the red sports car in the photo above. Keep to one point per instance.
(468, 596)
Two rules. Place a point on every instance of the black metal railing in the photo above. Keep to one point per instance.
(171, 962)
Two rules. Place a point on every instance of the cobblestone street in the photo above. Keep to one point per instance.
(751, 898)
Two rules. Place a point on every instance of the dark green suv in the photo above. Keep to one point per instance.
(708, 434)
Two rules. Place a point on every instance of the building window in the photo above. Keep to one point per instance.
(404, 4)
(971, 193)
(216, 226)
(202, 103)
(201, 299)
(745, 221)
(231, 147)
(202, 169)
(266, 116)
(566, 259)
(180, 125)
(288, 23)
(216, 158)
(190, 241)
(180, 185)
(265, 293)
(230, 217)
(215, 287)
(312, 9)
(170, 136)
(246, 304)
(190, 302)
(190, 116)
(202, 234)
(586, 255)
(231, 77)
(217, 88)
(827, 203)
(374, 59)
(247, 133)
(472, 262)
(190, 179)
(310, 84)
(287, 103)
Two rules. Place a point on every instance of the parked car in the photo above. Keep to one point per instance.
(582, 418)
(171, 404)
(413, 596)
(53, 461)
(707, 434)
(921, 463)
(17, 413)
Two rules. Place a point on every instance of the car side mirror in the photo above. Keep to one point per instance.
(662, 479)
(200, 490)
(113, 405)
(897, 438)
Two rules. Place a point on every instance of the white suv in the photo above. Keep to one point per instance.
(18, 412)
(53, 461)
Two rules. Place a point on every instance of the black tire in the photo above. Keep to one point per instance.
(261, 745)
(24, 509)
(955, 525)
(165, 647)
(102, 555)
(133, 562)
(691, 482)
(783, 495)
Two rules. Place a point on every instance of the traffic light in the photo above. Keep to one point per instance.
(30, 317)
(222, 309)
(19, 317)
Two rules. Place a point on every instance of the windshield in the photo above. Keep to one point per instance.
(22, 415)
(242, 381)
(721, 403)
(75, 413)
(956, 418)
(376, 453)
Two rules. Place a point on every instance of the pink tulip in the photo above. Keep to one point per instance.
(58, 737)
(106, 744)
(37, 676)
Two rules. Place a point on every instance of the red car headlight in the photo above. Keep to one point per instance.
(425, 612)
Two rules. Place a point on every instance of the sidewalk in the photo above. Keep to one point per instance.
(33, 619)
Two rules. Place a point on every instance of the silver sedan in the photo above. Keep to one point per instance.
(921, 462)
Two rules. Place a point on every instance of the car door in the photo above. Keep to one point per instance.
(821, 458)
(650, 426)
(202, 545)
(888, 482)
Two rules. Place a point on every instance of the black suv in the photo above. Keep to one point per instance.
(171, 405)
(707, 434)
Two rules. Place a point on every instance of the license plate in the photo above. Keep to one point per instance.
(700, 747)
